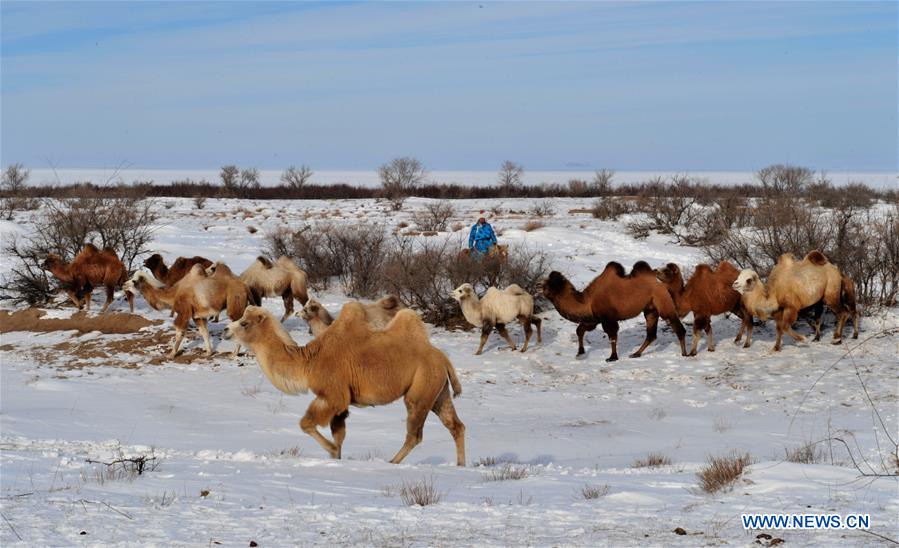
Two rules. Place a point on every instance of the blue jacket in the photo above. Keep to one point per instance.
(481, 238)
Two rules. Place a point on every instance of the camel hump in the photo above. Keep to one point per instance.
(615, 267)
(408, 323)
(641, 267)
(702, 269)
(816, 257)
(390, 302)
(286, 262)
(726, 266)
(264, 261)
(515, 289)
(90, 248)
(786, 258)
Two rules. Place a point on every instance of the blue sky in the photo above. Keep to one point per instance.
(629, 86)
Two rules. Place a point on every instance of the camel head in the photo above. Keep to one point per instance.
(668, 273)
(747, 281)
(251, 327)
(154, 261)
(52, 261)
(310, 310)
(554, 284)
(463, 292)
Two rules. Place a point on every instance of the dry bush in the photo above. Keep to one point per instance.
(14, 185)
(602, 182)
(507, 472)
(721, 472)
(420, 493)
(590, 492)
(435, 216)
(400, 177)
(296, 177)
(509, 176)
(124, 468)
(578, 188)
(124, 224)
(199, 201)
(543, 208)
(653, 460)
(808, 453)
(532, 225)
(610, 208)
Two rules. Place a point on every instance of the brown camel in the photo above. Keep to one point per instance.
(612, 297)
(90, 268)
(195, 297)
(169, 275)
(708, 293)
(283, 277)
(353, 364)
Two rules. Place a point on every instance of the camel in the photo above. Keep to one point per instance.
(283, 278)
(90, 268)
(612, 297)
(195, 297)
(496, 309)
(709, 292)
(170, 275)
(792, 286)
(353, 364)
(378, 314)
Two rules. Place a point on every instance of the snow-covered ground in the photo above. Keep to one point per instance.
(232, 466)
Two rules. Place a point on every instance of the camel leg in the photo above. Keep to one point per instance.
(652, 325)
(88, 291)
(338, 429)
(110, 292)
(505, 334)
(708, 335)
(789, 318)
(73, 296)
(698, 326)
(842, 316)
(611, 329)
(287, 296)
(319, 413)
(415, 422)
(485, 332)
(538, 323)
(582, 328)
(179, 336)
(854, 324)
(819, 319)
(204, 331)
(444, 409)
(526, 325)
(131, 302)
(747, 324)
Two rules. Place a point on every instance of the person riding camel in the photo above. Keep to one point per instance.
(482, 237)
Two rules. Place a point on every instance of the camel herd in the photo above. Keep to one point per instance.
(389, 354)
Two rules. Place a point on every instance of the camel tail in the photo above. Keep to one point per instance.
(299, 286)
(847, 293)
(453, 379)
(816, 257)
(237, 302)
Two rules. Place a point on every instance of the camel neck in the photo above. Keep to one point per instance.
(285, 366)
(471, 309)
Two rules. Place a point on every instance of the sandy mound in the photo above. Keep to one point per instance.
(30, 319)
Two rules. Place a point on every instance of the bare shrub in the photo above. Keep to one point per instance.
(578, 187)
(543, 208)
(230, 175)
(602, 182)
(249, 178)
(435, 216)
(15, 178)
(785, 179)
(400, 177)
(532, 225)
(509, 176)
(419, 493)
(653, 460)
(721, 472)
(199, 201)
(808, 453)
(124, 224)
(590, 492)
(124, 468)
(508, 472)
(610, 208)
(296, 177)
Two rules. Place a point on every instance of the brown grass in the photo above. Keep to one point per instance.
(653, 460)
(419, 493)
(532, 225)
(721, 472)
(590, 492)
(807, 453)
(507, 472)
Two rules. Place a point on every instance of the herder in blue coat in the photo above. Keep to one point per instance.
(482, 237)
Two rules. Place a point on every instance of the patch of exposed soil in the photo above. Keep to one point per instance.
(31, 319)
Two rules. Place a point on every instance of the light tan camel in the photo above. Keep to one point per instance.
(282, 278)
(353, 364)
(378, 314)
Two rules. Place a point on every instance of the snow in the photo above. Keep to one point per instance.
(234, 467)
